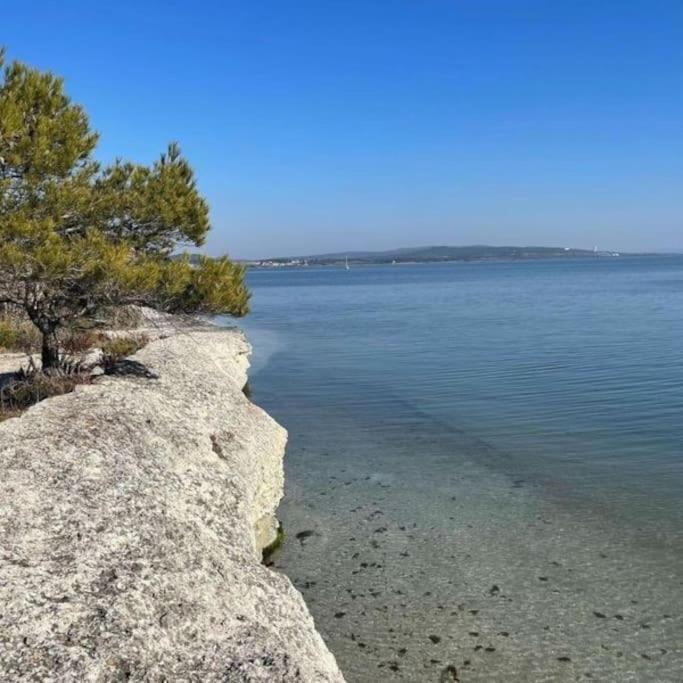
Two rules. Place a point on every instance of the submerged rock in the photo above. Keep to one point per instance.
(133, 513)
(449, 674)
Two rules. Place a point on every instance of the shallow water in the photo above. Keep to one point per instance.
(489, 456)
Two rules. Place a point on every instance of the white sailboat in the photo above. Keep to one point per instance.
(346, 265)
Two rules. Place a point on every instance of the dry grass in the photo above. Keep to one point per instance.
(18, 334)
(31, 386)
(28, 387)
(77, 343)
(7, 414)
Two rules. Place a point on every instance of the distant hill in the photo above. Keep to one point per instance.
(433, 254)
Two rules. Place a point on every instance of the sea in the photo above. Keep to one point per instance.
(484, 473)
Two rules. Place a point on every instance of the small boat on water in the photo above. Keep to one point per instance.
(346, 264)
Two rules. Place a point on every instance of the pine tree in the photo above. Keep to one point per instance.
(76, 237)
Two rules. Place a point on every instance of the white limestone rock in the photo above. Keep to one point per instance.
(132, 516)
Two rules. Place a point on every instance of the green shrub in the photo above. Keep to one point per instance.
(268, 552)
(116, 349)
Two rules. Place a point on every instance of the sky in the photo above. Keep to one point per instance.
(333, 125)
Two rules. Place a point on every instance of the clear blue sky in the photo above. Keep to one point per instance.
(326, 125)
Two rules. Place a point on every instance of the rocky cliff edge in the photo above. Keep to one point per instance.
(132, 517)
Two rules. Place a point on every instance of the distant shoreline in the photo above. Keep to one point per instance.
(313, 263)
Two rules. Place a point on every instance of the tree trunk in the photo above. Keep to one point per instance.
(50, 350)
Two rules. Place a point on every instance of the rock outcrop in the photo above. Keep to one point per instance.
(132, 517)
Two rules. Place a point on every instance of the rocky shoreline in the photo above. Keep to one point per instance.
(133, 513)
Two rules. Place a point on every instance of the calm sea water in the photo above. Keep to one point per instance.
(490, 458)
